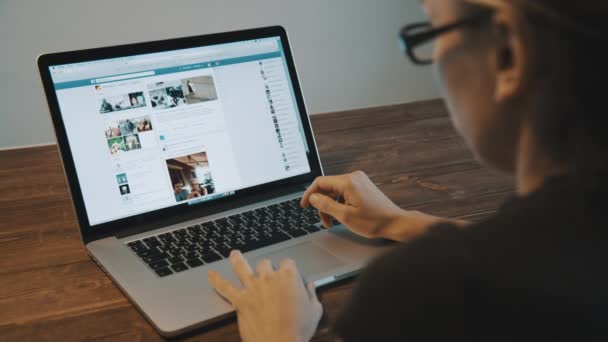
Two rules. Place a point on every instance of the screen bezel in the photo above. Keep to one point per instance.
(182, 211)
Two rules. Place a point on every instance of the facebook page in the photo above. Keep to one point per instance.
(186, 126)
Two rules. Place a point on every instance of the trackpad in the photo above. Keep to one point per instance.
(310, 259)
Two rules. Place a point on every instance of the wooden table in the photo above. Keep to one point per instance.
(51, 290)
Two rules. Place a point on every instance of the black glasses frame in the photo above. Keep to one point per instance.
(416, 34)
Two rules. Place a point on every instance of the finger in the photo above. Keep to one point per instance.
(325, 219)
(328, 205)
(264, 267)
(328, 194)
(223, 286)
(326, 185)
(241, 267)
(312, 293)
(288, 265)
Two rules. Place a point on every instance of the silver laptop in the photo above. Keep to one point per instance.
(177, 152)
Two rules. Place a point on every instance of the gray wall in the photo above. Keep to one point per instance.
(346, 50)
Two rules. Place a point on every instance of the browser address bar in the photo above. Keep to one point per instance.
(124, 77)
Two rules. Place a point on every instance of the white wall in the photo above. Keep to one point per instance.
(346, 50)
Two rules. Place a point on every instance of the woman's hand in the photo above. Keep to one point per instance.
(366, 210)
(272, 305)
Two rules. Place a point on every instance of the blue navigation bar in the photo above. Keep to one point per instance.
(164, 71)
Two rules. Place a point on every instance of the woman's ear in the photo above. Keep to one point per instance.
(510, 56)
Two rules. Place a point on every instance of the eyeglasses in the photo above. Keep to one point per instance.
(418, 39)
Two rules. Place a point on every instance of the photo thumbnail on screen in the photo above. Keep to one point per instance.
(109, 104)
(165, 95)
(199, 89)
(190, 176)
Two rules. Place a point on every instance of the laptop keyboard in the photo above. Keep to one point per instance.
(204, 243)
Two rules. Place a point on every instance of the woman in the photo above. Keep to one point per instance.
(524, 82)
(197, 191)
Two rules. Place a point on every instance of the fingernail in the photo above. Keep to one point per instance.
(314, 199)
(210, 273)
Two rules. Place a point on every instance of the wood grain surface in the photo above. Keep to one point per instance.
(50, 290)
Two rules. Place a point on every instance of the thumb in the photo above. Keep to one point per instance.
(328, 205)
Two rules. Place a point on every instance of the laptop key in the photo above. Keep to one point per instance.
(155, 258)
(255, 245)
(190, 255)
(211, 257)
(179, 267)
(163, 272)
(175, 251)
(158, 264)
(167, 239)
(137, 246)
(180, 234)
(190, 248)
(311, 228)
(202, 245)
(147, 252)
(296, 232)
(175, 260)
(152, 241)
(196, 239)
(194, 227)
(223, 250)
(194, 262)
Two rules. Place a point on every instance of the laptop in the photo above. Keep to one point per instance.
(177, 152)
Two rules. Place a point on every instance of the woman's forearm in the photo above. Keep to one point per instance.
(408, 225)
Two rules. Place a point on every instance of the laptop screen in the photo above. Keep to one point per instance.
(181, 127)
